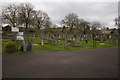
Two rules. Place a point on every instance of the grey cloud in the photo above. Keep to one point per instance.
(104, 12)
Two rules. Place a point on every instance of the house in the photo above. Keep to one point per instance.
(105, 30)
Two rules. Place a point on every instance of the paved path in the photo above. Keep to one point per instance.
(85, 63)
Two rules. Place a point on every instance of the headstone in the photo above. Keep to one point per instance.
(63, 35)
(53, 42)
(72, 43)
(86, 41)
(22, 48)
(49, 40)
(109, 37)
(78, 40)
(65, 43)
(73, 38)
(116, 41)
(39, 37)
(59, 36)
(56, 42)
(91, 35)
(101, 43)
(42, 42)
(111, 40)
(24, 45)
(82, 38)
(29, 47)
(70, 38)
(102, 39)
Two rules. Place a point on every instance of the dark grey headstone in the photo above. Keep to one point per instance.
(29, 47)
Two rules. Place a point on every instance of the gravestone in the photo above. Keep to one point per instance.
(116, 41)
(111, 41)
(70, 38)
(65, 43)
(59, 36)
(34, 36)
(73, 38)
(56, 42)
(22, 48)
(53, 42)
(78, 40)
(49, 39)
(86, 41)
(72, 43)
(29, 47)
(42, 42)
(82, 38)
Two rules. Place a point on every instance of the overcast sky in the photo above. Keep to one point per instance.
(104, 12)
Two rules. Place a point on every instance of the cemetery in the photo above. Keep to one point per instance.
(53, 42)
(35, 32)
(77, 43)
(47, 36)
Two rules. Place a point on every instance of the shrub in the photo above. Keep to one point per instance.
(11, 47)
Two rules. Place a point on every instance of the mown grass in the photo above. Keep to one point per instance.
(51, 47)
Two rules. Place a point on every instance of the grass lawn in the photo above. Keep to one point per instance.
(51, 47)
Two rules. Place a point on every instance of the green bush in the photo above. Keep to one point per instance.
(11, 47)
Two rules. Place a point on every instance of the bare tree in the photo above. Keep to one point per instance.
(26, 14)
(70, 20)
(10, 13)
(95, 25)
(42, 19)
